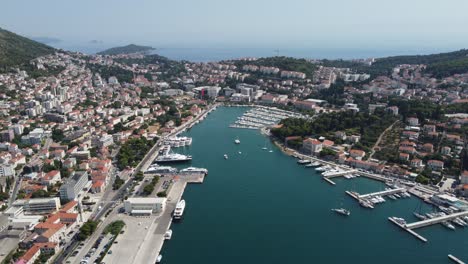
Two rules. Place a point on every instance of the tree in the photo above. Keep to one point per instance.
(87, 229)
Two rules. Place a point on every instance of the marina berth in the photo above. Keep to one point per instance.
(260, 117)
(179, 210)
(173, 158)
(176, 142)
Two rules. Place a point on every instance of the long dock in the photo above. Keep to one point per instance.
(423, 239)
(329, 181)
(455, 259)
(435, 220)
(339, 173)
(382, 193)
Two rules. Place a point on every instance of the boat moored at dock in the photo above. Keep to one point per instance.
(179, 210)
(173, 157)
(194, 170)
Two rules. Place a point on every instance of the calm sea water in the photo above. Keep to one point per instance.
(205, 54)
(261, 207)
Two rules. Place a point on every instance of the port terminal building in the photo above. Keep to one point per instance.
(144, 206)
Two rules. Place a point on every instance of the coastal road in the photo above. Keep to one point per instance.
(144, 163)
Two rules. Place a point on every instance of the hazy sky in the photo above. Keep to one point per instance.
(247, 23)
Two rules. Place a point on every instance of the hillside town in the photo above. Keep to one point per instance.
(62, 131)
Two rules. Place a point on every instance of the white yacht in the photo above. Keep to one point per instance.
(179, 210)
(448, 225)
(324, 168)
(342, 211)
(303, 161)
(173, 157)
(168, 234)
(155, 168)
(420, 216)
(194, 170)
(237, 141)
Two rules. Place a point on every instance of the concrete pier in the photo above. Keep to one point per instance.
(435, 220)
(423, 239)
(455, 259)
(329, 181)
(382, 193)
(340, 173)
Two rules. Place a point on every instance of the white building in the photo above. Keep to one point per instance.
(38, 205)
(7, 171)
(144, 206)
(74, 185)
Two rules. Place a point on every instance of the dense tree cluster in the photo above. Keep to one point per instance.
(16, 50)
(369, 126)
(87, 229)
(149, 188)
(114, 227)
(133, 152)
(284, 64)
(108, 71)
(440, 65)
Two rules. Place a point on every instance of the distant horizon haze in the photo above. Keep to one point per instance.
(420, 26)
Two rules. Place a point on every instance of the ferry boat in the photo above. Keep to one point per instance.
(175, 157)
(168, 234)
(194, 170)
(155, 168)
(342, 211)
(448, 225)
(179, 210)
(303, 161)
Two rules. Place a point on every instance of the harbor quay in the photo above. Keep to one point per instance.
(396, 189)
(144, 236)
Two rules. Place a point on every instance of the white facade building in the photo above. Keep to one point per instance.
(144, 206)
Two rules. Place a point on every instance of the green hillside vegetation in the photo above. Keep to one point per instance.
(122, 75)
(440, 65)
(16, 50)
(132, 48)
(369, 126)
(284, 64)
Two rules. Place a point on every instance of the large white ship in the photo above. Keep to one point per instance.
(178, 141)
(194, 170)
(173, 157)
(179, 210)
(155, 168)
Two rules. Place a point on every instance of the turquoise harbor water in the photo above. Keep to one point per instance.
(261, 207)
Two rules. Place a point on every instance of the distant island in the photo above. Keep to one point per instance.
(132, 48)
